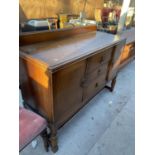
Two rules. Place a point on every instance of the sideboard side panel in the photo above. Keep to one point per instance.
(35, 86)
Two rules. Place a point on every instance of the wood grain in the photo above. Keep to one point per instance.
(59, 89)
(68, 50)
(37, 37)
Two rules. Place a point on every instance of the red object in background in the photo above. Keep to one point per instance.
(106, 11)
(30, 126)
(105, 14)
(118, 13)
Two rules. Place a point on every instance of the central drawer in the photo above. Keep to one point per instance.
(88, 78)
(94, 82)
(99, 59)
(94, 86)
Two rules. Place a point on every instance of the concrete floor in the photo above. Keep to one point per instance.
(105, 126)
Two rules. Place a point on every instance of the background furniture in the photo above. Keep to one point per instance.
(128, 54)
(30, 126)
(61, 71)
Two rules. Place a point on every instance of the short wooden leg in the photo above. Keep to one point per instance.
(45, 137)
(113, 82)
(53, 139)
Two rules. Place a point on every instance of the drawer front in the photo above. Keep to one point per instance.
(99, 59)
(92, 87)
(102, 69)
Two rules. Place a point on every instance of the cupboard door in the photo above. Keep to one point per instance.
(67, 91)
(116, 59)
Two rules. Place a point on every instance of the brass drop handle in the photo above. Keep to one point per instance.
(96, 84)
(99, 71)
(102, 61)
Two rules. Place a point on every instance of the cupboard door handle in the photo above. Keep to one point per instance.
(96, 84)
(83, 83)
(99, 71)
(102, 61)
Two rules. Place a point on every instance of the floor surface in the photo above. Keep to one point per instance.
(105, 126)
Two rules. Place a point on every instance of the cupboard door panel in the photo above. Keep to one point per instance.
(67, 90)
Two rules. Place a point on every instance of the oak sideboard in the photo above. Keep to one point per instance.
(61, 71)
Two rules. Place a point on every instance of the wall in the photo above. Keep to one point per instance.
(47, 8)
(41, 8)
(77, 6)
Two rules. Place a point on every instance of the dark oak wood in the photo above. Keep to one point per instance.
(112, 86)
(99, 59)
(53, 137)
(59, 77)
(45, 138)
(67, 91)
(36, 37)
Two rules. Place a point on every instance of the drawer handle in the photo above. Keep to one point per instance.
(96, 85)
(99, 71)
(102, 61)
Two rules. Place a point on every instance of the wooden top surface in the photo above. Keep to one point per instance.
(63, 51)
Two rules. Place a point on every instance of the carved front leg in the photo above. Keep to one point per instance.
(53, 138)
(113, 83)
(45, 137)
